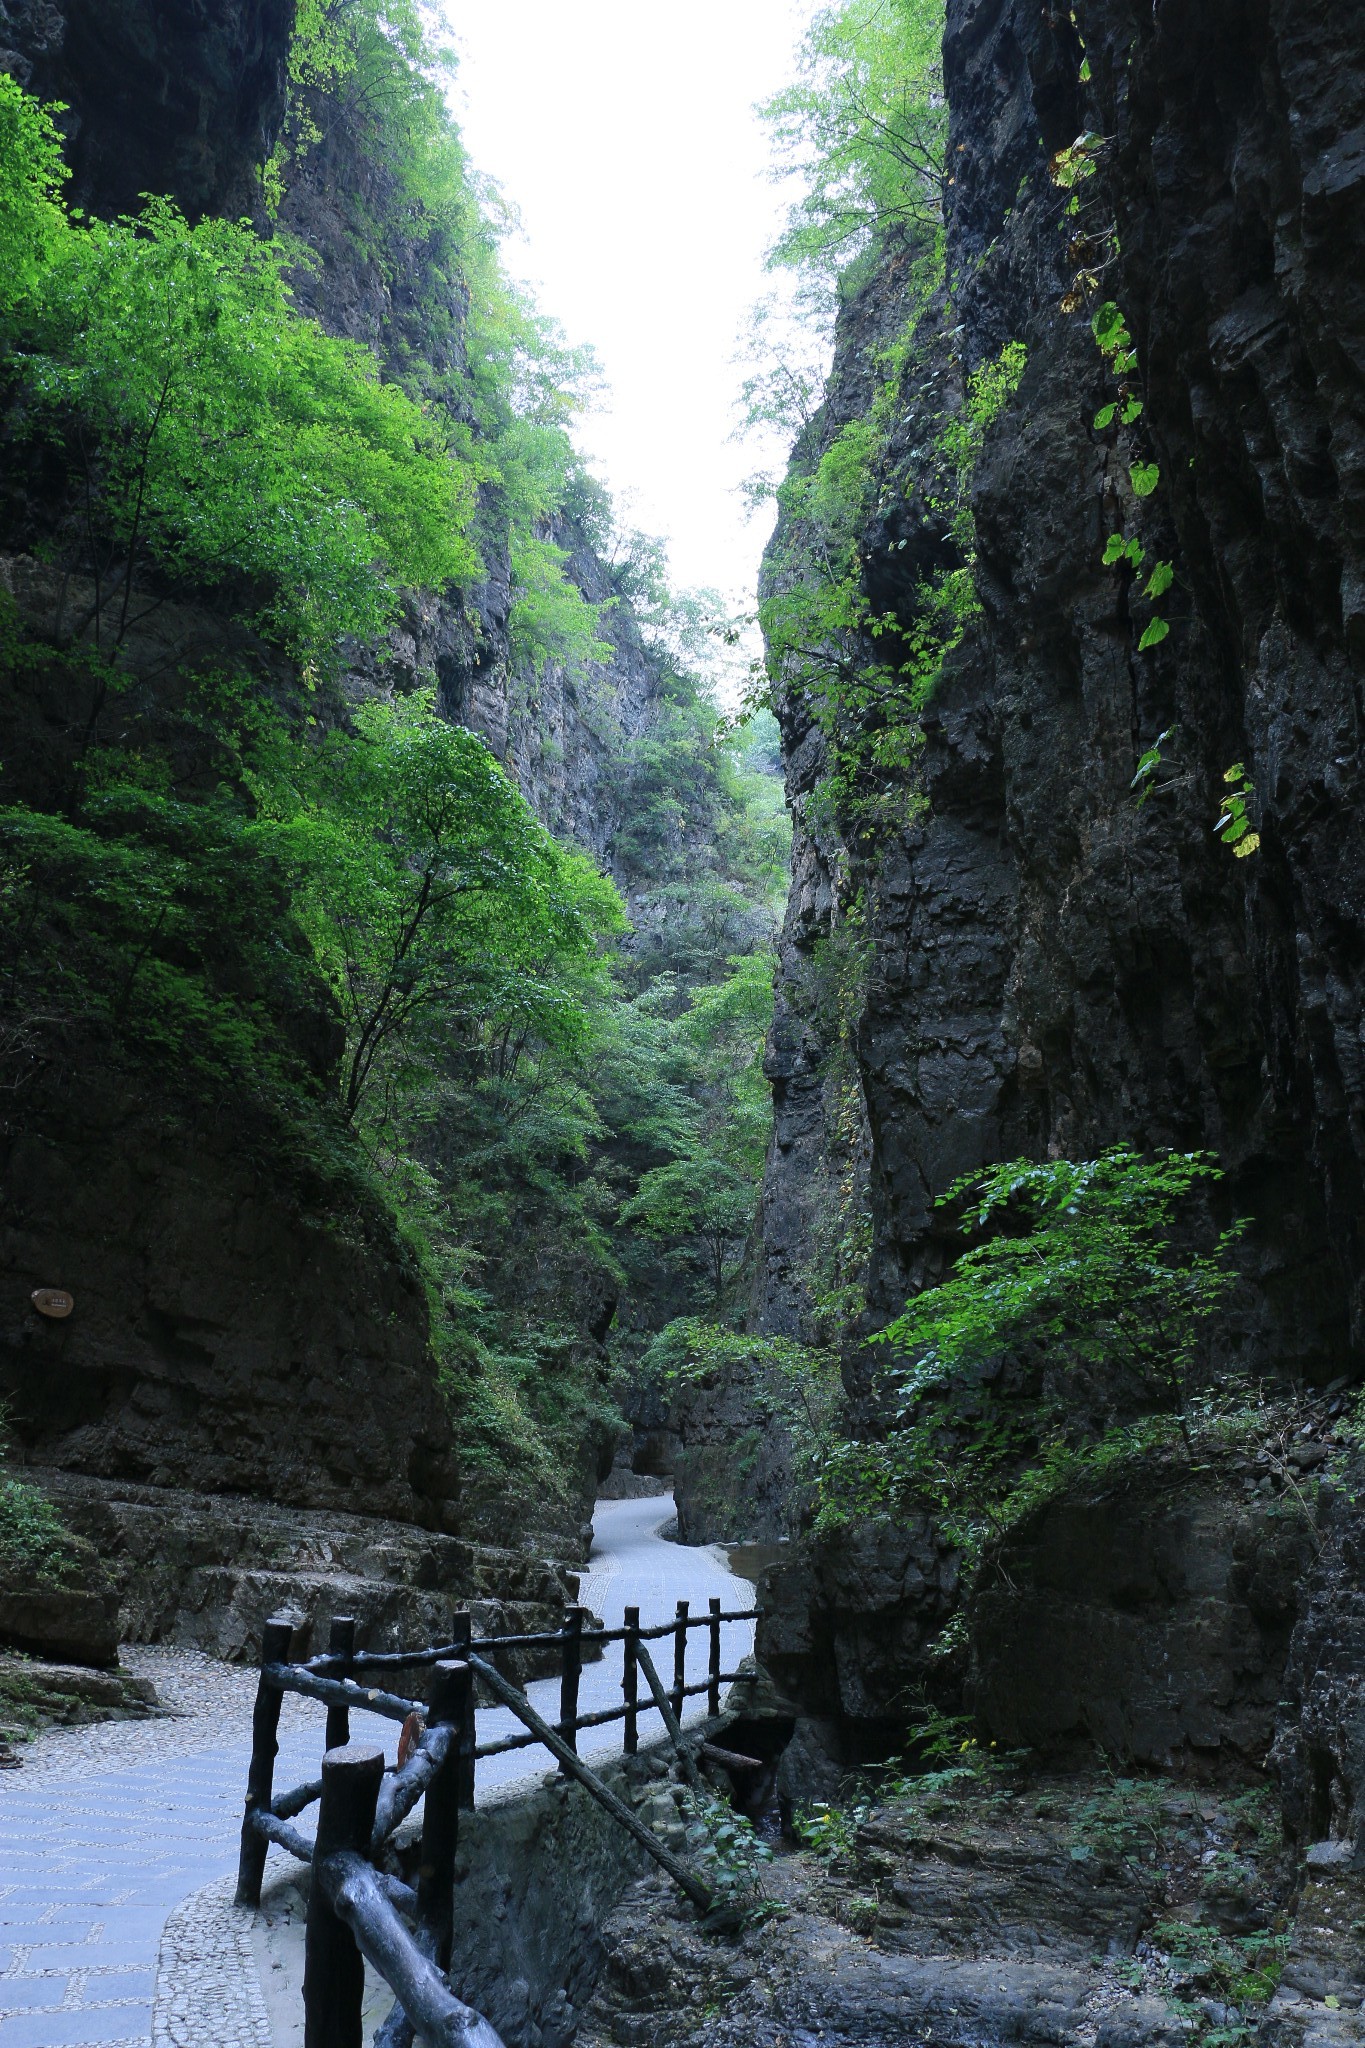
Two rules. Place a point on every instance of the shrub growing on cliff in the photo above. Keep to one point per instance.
(1069, 1341)
(35, 1542)
(866, 126)
(207, 427)
(1081, 1270)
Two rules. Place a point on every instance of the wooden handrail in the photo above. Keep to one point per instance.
(353, 1912)
(328, 1662)
(686, 1880)
(354, 1906)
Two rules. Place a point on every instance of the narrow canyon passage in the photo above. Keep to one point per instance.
(763, 893)
(107, 1829)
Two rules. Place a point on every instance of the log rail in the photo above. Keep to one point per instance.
(358, 1904)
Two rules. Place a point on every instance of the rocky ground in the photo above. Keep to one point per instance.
(35, 1695)
(990, 1904)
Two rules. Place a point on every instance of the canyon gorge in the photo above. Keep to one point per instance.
(455, 1068)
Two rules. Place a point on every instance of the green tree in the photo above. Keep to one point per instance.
(1084, 1269)
(32, 216)
(865, 126)
(212, 431)
(698, 1203)
(427, 886)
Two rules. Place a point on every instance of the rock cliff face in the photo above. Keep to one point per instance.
(226, 1319)
(243, 1322)
(158, 97)
(1151, 1618)
(1053, 969)
(1048, 968)
(555, 732)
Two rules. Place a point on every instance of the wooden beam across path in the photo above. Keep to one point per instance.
(670, 1719)
(686, 1879)
(353, 1912)
(358, 1896)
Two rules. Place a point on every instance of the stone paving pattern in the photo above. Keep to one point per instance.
(118, 1842)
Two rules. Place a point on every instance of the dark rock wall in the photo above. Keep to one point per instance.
(178, 96)
(847, 1626)
(1151, 1618)
(732, 1469)
(228, 1331)
(1053, 969)
(1320, 1746)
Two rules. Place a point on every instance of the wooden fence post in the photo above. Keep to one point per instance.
(630, 1681)
(568, 1684)
(451, 1690)
(333, 1968)
(713, 1662)
(461, 1635)
(276, 1637)
(680, 1659)
(340, 1643)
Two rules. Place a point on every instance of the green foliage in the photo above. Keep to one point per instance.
(1122, 1820)
(32, 216)
(731, 1856)
(1085, 1304)
(1149, 762)
(696, 1199)
(830, 1832)
(865, 128)
(139, 916)
(550, 619)
(1116, 346)
(700, 1201)
(867, 674)
(1234, 826)
(1081, 1267)
(428, 889)
(210, 428)
(1237, 1970)
(35, 1542)
(792, 1387)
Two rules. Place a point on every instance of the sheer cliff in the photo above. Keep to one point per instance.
(1050, 968)
(247, 1314)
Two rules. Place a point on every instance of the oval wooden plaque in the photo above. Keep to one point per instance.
(52, 1301)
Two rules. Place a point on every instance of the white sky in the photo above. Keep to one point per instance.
(623, 132)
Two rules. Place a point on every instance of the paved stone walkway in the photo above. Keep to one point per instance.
(106, 1831)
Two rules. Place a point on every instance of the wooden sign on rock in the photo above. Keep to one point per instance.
(52, 1301)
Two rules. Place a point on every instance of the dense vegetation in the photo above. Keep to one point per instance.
(328, 910)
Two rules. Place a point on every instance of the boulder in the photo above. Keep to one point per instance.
(70, 1617)
(1149, 1612)
(845, 1627)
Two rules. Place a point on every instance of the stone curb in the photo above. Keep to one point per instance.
(207, 1993)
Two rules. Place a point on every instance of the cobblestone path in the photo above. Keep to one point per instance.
(106, 1830)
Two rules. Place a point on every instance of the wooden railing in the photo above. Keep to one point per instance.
(358, 1906)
